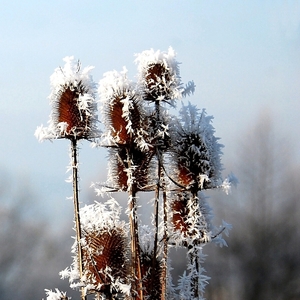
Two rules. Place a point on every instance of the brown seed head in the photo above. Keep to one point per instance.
(104, 256)
(152, 290)
(78, 122)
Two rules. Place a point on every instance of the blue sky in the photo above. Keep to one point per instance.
(242, 55)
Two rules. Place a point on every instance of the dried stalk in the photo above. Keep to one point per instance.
(76, 210)
(165, 245)
(135, 247)
(194, 255)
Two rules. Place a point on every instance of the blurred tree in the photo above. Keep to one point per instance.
(263, 259)
(31, 255)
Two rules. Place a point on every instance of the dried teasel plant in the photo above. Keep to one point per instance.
(196, 152)
(158, 82)
(195, 157)
(129, 150)
(73, 117)
(158, 78)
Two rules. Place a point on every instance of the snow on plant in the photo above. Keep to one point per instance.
(176, 158)
(74, 117)
(126, 133)
(195, 159)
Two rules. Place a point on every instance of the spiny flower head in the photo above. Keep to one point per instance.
(105, 250)
(196, 152)
(130, 167)
(191, 219)
(105, 258)
(123, 115)
(158, 77)
(74, 109)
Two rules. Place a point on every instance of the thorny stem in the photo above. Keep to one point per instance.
(165, 243)
(135, 247)
(194, 254)
(156, 201)
(76, 210)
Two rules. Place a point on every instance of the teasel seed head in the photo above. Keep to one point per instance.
(124, 118)
(105, 258)
(122, 112)
(104, 245)
(195, 152)
(68, 112)
(192, 160)
(180, 214)
(128, 164)
(159, 78)
(152, 290)
(74, 108)
(189, 219)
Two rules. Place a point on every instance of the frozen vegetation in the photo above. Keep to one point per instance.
(174, 157)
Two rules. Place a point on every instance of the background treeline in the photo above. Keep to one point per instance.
(261, 262)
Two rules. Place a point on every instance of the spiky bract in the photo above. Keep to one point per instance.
(105, 258)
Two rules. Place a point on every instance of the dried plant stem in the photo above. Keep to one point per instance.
(194, 252)
(156, 225)
(195, 277)
(76, 209)
(165, 244)
(157, 190)
(135, 247)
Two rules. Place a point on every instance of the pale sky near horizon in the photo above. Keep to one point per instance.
(244, 57)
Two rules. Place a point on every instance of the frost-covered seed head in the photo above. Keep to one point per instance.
(159, 78)
(74, 109)
(127, 165)
(195, 152)
(122, 113)
(105, 250)
(105, 257)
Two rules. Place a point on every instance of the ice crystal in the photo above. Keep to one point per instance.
(56, 295)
